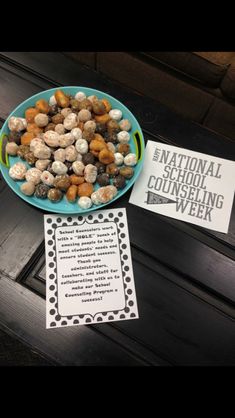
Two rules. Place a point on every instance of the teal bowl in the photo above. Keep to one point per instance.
(65, 207)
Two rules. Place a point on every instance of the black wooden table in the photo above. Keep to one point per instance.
(184, 275)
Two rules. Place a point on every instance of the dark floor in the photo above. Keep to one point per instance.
(15, 353)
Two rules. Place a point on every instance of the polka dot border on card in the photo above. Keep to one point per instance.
(130, 309)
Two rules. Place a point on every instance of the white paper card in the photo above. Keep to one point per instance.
(186, 185)
(89, 275)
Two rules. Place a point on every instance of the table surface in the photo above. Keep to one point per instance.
(184, 274)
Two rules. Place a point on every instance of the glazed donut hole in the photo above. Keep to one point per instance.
(111, 147)
(74, 105)
(76, 148)
(34, 175)
(70, 121)
(62, 99)
(98, 107)
(90, 125)
(85, 202)
(85, 104)
(28, 188)
(42, 152)
(85, 189)
(123, 137)
(47, 178)
(62, 182)
(54, 195)
(90, 173)
(77, 133)
(17, 124)
(79, 96)
(60, 129)
(81, 146)
(12, 148)
(84, 115)
(115, 114)
(66, 111)
(88, 135)
(78, 168)
(66, 140)
(124, 149)
(59, 168)
(52, 100)
(130, 160)
(125, 125)
(71, 153)
(71, 193)
(42, 106)
(41, 120)
(51, 138)
(18, 171)
(118, 158)
(57, 118)
(112, 126)
(60, 155)
(42, 164)
(22, 151)
(30, 114)
(88, 158)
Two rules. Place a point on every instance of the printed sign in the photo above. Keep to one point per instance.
(89, 269)
(186, 185)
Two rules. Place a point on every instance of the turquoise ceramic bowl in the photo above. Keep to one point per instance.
(65, 207)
